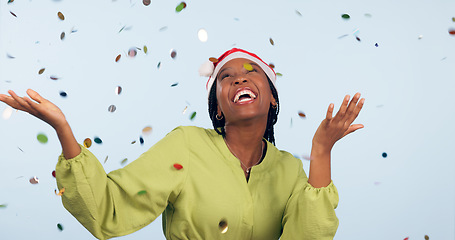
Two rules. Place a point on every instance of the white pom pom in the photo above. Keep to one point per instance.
(206, 69)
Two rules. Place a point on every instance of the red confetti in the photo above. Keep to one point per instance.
(452, 31)
(407, 238)
(13, 14)
(178, 166)
(53, 173)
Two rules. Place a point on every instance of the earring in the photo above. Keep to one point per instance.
(274, 106)
(218, 117)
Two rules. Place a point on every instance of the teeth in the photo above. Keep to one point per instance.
(243, 92)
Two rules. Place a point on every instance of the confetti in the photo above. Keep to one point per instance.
(180, 7)
(42, 138)
(63, 94)
(41, 71)
(202, 35)
(53, 173)
(87, 143)
(13, 14)
(298, 13)
(174, 84)
(97, 140)
(345, 16)
(367, 15)
(163, 29)
(223, 226)
(406, 238)
(133, 142)
(141, 192)
(426, 237)
(105, 160)
(158, 65)
(272, 42)
(452, 31)
(141, 140)
(60, 227)
(118, 57)
(302, 114)
(53, 78)
(61, 16)
(59, 193)
(10, 56)
(178, 166)
(146, 2)
(184, 110)
(213, 60)
(271, 65)
(173, 53)
(279, 74)
(420, 37)
(118, 90)
(384, 155)
(7, 113)
(193, 115)
(132, 52)
(34, 180)
(3, 205)
(62, 35)
(124, 161)
(20, 149)
(112, 108)
(147, 130)
(145, 49)
(358, 39)
(10, 1)
(342, 36)
(248, 66)
(453, 19)
(376, 45)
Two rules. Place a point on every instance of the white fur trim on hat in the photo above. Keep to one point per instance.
(206, 69)
(265, 67)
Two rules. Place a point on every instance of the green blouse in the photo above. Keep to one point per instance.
(210, 188)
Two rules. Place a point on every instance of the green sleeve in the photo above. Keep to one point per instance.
(310, 212)
(127, 199)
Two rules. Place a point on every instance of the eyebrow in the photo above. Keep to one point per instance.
(251, 63)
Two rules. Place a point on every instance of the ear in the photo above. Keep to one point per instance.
(273, 101)
(218, 110)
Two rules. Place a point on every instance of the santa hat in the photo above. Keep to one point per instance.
(211, 68)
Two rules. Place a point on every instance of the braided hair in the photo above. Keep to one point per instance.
(272, 117)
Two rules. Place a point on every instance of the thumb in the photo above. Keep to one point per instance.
(353, 128)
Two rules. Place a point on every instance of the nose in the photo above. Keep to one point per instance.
(240, 81)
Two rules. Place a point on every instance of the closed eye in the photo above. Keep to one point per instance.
(225, 76)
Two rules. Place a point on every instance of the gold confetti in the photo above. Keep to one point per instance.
(59, 193)
(145, 49)
(248, 66)
(41, 71)
(271, 41)
(118, 57)
(213, 60)
(302, 114)
(62, 35)
(426, 237)
(87, 142)
(124, 161)
(147, 130)
(271, 65)
(60, 15)
(184, 110)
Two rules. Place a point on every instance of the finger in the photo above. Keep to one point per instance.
(10, 101)
(353, 128)
(25, 106)
(356, 111)
(343, 107)
(35, 96)
(329, 112)
(35, 107)
(353, 104)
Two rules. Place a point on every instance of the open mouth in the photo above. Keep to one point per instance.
(244, 95)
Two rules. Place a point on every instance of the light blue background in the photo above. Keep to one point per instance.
(408, 84)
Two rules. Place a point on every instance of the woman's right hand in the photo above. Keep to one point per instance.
(42, 108)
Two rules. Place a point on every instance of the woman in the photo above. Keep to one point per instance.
(229, 182)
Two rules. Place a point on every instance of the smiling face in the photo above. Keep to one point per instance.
(243, 92)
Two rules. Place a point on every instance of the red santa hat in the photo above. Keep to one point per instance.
(211, 68)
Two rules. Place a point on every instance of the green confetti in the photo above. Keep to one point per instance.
(279, 74)
(42, 138)
(3, 205)
(124, 161)
(142, 192)
(345, 16)
(193, 115)
(180, 7)
(145, 49)
(60, 227)
(98, 140)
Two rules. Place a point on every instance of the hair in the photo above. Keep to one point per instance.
(272, 117)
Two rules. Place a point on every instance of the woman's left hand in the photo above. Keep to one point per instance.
(333, 129)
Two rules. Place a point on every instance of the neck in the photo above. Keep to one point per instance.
(246, 142)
